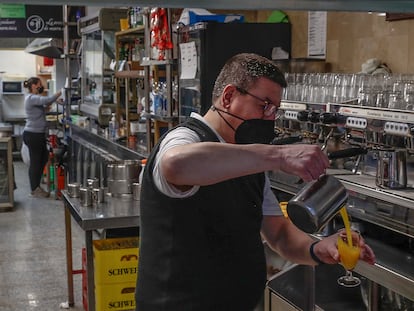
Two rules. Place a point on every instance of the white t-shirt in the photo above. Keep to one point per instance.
(184, 135)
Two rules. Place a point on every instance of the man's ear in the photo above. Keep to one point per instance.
(228, 93)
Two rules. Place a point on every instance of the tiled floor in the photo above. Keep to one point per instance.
(32, 252)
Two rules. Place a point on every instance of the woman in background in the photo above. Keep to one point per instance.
(35, 132)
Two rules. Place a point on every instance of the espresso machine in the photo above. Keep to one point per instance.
(369, 138)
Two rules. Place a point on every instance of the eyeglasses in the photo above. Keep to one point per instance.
(269, 108)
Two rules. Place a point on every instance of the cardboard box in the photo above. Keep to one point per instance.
(116, 260)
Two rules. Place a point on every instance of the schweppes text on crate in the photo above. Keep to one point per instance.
(115, 297)
(115, 260)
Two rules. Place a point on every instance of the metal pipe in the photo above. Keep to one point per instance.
(69, 259)
(67, 104)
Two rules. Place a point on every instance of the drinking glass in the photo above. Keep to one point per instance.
(349, 255)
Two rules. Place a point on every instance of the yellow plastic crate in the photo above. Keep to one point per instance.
(114, 297)
(115, 260)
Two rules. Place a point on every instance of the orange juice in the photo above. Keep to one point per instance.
(349, 254)
(348, 249)
(345, 219)
(283, 207)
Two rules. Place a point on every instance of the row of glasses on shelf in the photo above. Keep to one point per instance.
(393, 91)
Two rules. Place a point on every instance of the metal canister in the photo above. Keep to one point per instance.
(121, 175)
(73, 190)
(92, 183)
(317, 203)
(98, 195)
(136, 189)
(85, 196)
(392, 169)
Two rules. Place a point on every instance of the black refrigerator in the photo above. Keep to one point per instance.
(208, 45)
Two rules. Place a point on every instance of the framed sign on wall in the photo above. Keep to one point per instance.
(19, 21)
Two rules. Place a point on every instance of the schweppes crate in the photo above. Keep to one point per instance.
(115, 260)
(115, 297)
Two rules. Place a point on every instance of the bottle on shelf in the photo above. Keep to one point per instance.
(135, 17)
(139, 18)
(132, 18)
(113, 127)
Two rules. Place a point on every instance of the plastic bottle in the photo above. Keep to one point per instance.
(132, 17)
(138, 16)
(113, 127)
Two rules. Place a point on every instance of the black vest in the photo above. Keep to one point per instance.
(203, 252)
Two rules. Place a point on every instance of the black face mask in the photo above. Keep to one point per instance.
(252, 131)
(255, 131)
(40, 89)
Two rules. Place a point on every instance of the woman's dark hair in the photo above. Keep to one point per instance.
(28, 83)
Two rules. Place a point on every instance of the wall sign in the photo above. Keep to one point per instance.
(31, 21)
(317, 24)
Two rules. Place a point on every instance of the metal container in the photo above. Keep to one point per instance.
(136, 190)
(317, 203)
(85, 196)
(125, 170)
(122, 175)
(120, 186)
(392, 169)
(73, 190)
(98, 195)
(92, 183)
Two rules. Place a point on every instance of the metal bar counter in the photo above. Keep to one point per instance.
(393, 269)
(114, 213)
(113, 148)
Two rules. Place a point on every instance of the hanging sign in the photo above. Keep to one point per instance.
(31, 21)
(12, 11)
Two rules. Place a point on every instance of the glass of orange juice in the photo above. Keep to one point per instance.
(348, 248)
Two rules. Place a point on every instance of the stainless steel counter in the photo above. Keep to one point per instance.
(90, 153)
(365, 184)
(112, 148)
(394, 268)
(114, 213)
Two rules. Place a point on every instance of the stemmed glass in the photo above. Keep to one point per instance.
(349, 255)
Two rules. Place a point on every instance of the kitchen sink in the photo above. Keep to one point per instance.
(292, 286)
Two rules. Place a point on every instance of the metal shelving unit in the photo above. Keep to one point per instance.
(134, 84)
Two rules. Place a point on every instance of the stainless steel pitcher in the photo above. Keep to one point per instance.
(317, 203)
(392, 169)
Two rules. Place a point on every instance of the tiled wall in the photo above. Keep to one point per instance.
(354, 37)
